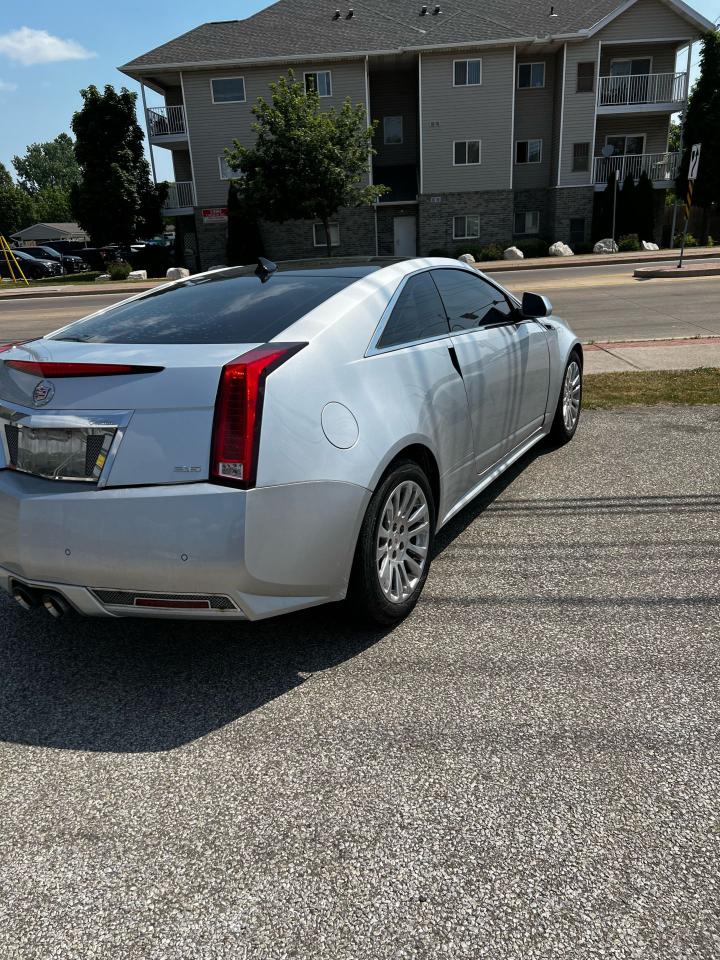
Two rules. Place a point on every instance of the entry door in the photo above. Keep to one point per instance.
(405, 234)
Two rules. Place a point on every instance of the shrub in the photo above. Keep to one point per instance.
(532, 247)
(710, 242)
(493, 251)
(470, 248)
(119, 270)
(690, 240)
(154, 259)
(629, 242)
(583, 247)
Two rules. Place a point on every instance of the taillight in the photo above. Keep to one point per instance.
(56, 371)
(238, 412)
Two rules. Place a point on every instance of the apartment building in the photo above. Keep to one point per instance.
(494, 123)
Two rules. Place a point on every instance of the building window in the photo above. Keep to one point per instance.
(528, 151)
(527, 221)
(577, 229)
(468, 73)
(531, 75)
(581, 157)
(228, 90)
(319, 234)
(466, 152)
(226, 171)
(319, 82)
(585, 77)
(627, 144)
(466, 228)
(393, 130)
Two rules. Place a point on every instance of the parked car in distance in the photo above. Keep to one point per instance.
(238, 445)
(69, 262)
(34, 268)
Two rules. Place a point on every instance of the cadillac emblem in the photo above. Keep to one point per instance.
(43, 393)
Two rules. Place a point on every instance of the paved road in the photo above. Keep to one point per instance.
(528, 767)
(601, 303)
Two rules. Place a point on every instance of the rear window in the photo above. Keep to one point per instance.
(214, 309)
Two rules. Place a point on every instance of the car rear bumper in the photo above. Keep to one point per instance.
(267, 551)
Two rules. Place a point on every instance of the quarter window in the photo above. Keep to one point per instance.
(468, 73)
(393, 130)
(531, 75)
(585, 77)
(319, 82)
(470, 301)
(319, 235)
(581, 157)
(466, 228)
(527, 221)
(528, 151)
(466, 152)
(228, 90)
(417, 315)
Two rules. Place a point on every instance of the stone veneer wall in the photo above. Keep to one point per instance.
(572, 202)
(540, 198)
(494, 207)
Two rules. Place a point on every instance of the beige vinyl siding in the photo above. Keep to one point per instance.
(395, 95)
(655, 129)
(212, 127)
(534, 109)
(579, 112)
(662, 54)
(466, 113)
(647, 19)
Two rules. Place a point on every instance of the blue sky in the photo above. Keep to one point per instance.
(49, 50)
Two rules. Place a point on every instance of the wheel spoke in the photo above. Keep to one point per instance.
(403, 539)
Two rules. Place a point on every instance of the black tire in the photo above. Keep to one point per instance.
(366, 594)
(560, 431)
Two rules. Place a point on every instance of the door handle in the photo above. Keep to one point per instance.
(454, 360)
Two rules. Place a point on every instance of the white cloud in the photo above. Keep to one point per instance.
(29, 46)
(6, 87)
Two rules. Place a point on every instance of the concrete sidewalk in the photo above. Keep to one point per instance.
(615, 357)
(127, 287)
(597, 259)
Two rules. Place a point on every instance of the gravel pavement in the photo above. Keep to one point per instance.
(526, 768)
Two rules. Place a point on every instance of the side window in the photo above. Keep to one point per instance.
(470, 301)
(417, 315)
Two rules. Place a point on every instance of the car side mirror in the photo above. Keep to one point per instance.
(534, 305)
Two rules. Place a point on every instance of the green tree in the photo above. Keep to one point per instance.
(17, 209)
(307, 163)
(674, 137)
(702, 125)
(244, 244)
(48, 165)
(627, 213)
(115, 200)
(645, 208)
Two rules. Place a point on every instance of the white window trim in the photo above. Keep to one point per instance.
(531, 64)
(225, 103)
(308, 73)
(616, 136)
(525, 163)
(630, 60)
(220, 167)
(525, 232)
(393, 143)
(468, 60)
(476, 140)
(466, 235)
(323, 241)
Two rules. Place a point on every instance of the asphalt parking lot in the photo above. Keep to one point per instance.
(528, 767)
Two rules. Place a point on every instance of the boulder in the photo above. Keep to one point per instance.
(605, 246)
(137, 275)
(177, 273)
(102, 278)
(467, 258)
(646, 245)
(512, 253)
(560, 249)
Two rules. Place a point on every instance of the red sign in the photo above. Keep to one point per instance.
(215, 215)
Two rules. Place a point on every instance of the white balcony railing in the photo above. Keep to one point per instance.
(658, 166)
(180, 195)
(642, 89)
(166, 121)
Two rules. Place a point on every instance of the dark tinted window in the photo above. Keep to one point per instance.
(469, 300)
(214, 309)
(417, 315)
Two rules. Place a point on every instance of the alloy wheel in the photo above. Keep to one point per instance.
(572, 388)
(403, 541)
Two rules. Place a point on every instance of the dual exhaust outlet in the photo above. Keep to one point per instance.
(55, 605)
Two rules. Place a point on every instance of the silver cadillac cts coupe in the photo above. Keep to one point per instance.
(242, 444)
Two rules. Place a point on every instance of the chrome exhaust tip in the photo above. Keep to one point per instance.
(24, 598)
(55, 606)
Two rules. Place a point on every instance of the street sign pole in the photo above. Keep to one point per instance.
(692, 176)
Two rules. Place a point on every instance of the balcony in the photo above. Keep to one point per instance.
(166, 125)
(180, 199)
(642, 93)
(662, 168)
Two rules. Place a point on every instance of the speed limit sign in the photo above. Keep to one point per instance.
(694, 161)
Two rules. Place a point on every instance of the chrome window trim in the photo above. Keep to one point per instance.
(16, 415)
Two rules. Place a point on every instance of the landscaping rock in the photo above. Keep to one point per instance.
(646, 245)
(137, 275)
(605, 246)
(467, 258)
(177, 273)
(560, 249)
(512, 253)
(103, 278)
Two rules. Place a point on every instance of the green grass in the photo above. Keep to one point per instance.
(88, 277)
(602, 391)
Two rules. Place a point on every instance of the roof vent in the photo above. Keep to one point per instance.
(552, 12)
(437, 10)
(336, 15)
(423, 12)
(350, 14)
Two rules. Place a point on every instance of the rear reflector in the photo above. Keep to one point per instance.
(56, 371)
(238, 412)
(172, 604)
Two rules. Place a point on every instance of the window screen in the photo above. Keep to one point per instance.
(417, 315)
(470, 301)
(228, 90)
(468, 73)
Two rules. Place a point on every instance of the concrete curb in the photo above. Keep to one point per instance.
(673, 273)
(594, 259)
(78, 291)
